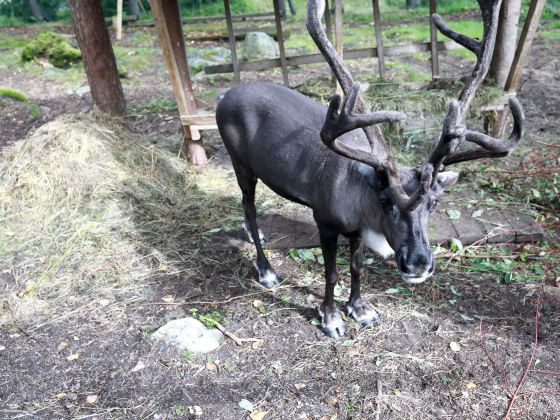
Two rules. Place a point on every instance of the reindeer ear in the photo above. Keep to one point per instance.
(447, 179)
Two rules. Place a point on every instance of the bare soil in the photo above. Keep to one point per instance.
(79, 363)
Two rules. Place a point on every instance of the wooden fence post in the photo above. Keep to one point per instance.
(231, 36)
(170, 32)
(280, 37)
(433, 41)
(378, 39)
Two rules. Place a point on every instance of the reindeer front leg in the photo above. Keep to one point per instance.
(362, 312)
(331, 319)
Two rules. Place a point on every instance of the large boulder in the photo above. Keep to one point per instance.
(259, 45)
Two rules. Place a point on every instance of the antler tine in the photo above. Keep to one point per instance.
(465, 41)
(453, 131)
(489, 146)
(337, 124)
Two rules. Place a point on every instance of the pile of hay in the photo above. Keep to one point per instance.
(87, 210)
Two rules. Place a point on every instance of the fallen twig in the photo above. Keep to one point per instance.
(238, 341)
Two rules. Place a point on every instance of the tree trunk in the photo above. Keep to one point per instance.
(99, 61)
(37, 10)
(506, 40)
(133, 8)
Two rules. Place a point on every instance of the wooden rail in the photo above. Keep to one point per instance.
(349, 54)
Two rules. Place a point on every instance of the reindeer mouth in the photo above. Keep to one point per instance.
(412, 279)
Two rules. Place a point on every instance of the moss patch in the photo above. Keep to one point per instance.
(54, 48)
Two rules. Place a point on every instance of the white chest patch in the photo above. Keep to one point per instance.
(377, 242)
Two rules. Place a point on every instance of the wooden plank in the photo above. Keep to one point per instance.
(349, 54)
(433, 41)
(127, 18)
(528, 34)
(118, 20)
(203, 119)
(239, 35)
(234, 61)
(280, 37)
(328, 22)
(338, 35)
(240, 17)
(379, 39)
(170, 33)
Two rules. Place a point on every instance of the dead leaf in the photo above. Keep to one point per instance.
(62, 345)
(454, 346)
(257, 344)
(61, 395)
(91, 399)
(257, 415)
(552, 290)
(257, 303)
(2, 348)
(299, 386)
(168, 299)
(397, 392)
(471, 385)
(73, 356)
(211, 367)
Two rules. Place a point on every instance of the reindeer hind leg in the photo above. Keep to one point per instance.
(247, 182)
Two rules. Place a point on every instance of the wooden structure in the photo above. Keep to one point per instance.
(168, 23)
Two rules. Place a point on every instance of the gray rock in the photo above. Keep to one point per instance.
(188, 334)
(202, 57)
(259, 45)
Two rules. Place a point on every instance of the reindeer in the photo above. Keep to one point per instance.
(336, 161)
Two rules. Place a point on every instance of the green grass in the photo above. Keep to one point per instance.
(19, 96)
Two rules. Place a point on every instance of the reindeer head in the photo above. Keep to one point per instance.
(409, 195)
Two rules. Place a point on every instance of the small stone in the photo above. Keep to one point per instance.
(139, 366)
(189, 334)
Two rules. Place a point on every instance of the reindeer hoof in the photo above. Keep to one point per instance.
(262, 237)
(332, 324)
(362, 312)
(268, 278)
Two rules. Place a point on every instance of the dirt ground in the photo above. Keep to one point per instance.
(449, 348)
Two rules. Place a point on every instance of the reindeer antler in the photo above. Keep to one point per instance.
(336, 124)
(453, 131)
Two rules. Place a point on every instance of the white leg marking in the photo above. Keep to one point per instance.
(377, 242)
(250, 237)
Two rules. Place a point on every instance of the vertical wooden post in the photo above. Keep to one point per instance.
(118, 20)
(328, 23)
(524, 45)
(528, 34)
(338, 34)
(170, 32)
(280, 37)
(378, 39)
(99, 61)
(231, 37)
(433, 41)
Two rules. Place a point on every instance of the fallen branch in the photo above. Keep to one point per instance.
(238, 341)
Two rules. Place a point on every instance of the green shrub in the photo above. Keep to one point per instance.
(53, 47)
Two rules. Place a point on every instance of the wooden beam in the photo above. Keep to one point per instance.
(528, 34)
(349, 54)
(433, 40)
(328, 23)
(170, 33)
(99, 60)
(231, 36)
(118, 20)
(339, 46)
(280, 37)
(378, 39)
